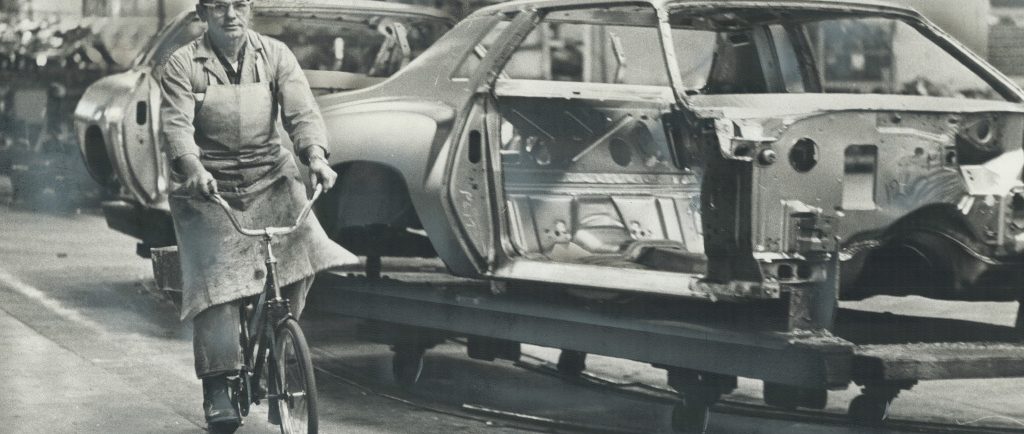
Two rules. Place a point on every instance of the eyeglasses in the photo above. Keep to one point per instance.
(221, 8)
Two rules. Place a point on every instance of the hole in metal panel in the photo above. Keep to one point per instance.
(804, 155)
(982, 133)
(622, 152)
(475, 147)
(803, 271)
(141, 113)
(785, 272)
(950, 158)
(859, 171)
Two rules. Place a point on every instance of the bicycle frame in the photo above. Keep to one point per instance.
(259, 327)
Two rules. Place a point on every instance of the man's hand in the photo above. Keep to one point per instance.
(198, 180)
(321, 172)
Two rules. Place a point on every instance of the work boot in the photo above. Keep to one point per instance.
(221, 415)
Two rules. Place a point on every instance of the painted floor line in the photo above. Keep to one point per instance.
(8, 280)
(13, 282)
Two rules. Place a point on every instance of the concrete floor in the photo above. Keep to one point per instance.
(88, 348)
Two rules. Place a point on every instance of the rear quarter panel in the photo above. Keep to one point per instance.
(408, 123)
(102, 106)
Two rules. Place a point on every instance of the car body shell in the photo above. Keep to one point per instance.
(757, 241)
(117, 119)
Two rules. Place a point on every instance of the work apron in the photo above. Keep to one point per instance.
(261, 182)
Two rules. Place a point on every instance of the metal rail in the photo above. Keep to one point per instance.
(468, 308)
(460, 307)
(331, 366)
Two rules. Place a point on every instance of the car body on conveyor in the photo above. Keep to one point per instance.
(340, 44)
(720, 150)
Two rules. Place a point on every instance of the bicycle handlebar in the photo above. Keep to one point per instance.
(270, 231)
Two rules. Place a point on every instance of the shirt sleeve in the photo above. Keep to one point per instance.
(299, 111)
(177, 109)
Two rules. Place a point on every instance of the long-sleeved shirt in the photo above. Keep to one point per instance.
(187, 70)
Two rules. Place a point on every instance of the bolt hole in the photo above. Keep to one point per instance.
(983, 133)
(804, 155)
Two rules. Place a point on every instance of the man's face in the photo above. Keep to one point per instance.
(228, 18)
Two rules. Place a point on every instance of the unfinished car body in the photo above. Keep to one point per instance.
(340, 44)
(721, 150)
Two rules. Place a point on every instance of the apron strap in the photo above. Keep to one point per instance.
(200, 84)
(267, 74)
(202, 77)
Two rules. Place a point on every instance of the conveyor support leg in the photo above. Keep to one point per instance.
(572, 363)
(871, 407)
(812, 306)
(374, 265)
(407, 363)
(699, 391)
(409, 345)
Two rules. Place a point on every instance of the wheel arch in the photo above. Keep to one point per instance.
(933, 217)
(370, 211)
(385, 150)
(97, 156)
(934, 251)
(372, 193)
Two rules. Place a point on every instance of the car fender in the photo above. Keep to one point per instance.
(410, 137)
(396, 132)
(102, 106)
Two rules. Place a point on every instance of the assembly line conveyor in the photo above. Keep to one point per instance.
(703, 346)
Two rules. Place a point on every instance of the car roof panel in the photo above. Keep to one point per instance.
(860, 5)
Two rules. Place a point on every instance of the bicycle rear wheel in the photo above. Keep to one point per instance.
(294, 381)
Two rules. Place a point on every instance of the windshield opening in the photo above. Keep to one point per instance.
(353, 45)
(338, 52)
(759, 51)
(602, 45)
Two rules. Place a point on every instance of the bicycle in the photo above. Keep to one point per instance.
(273, 343)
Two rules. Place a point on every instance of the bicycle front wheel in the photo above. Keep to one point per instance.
(297, 401)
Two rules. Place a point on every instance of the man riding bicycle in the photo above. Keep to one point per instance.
(222, 97)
